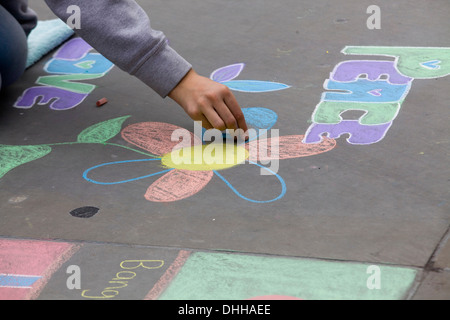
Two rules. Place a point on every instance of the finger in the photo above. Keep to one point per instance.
(205, 123)
(213, 118)
(197, 115)
(226, 115)
(236, 110)
(242, 130)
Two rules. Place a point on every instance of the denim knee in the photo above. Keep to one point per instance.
(13, 49)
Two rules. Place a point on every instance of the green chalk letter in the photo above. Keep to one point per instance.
(415, 62)
(64, 82)
(377, 113)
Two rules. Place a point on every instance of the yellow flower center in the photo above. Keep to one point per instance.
(214, 156)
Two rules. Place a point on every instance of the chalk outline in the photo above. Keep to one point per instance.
(281, 195)
(85, 173)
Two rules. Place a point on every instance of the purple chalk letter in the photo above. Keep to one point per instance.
(359, 133)
(348, 71)
(74, 49)
(64, 99)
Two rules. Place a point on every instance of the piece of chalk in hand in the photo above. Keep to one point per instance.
(101, 102)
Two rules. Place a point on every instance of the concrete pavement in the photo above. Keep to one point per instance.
(89, 212)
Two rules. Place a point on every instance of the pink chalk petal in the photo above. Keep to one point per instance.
(177, 185)
(155, 137)
(288, 147)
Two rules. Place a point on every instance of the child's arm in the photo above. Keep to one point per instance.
(121, 31)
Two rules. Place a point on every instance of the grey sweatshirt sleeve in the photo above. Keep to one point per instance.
(24, 15)
(120, 30)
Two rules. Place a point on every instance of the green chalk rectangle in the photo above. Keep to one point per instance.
(208, 276)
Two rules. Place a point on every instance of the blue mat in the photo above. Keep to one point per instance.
(45, 37)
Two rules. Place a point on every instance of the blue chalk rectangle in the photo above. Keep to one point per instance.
(17, 281)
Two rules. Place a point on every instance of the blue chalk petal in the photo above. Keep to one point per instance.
(280, 179)
(254, 85)
(260, 118)
(85, 174)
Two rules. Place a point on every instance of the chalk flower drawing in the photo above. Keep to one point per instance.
(182, 181)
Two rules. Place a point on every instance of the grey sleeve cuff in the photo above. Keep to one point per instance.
(163, 70)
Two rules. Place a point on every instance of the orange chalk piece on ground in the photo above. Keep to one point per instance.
(101, 102)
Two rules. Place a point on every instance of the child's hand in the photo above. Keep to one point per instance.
(208, 101)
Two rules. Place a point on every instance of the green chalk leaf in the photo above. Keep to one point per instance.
(14, 156)
(102, 132)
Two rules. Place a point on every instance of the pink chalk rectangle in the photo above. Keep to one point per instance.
(31, 258)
